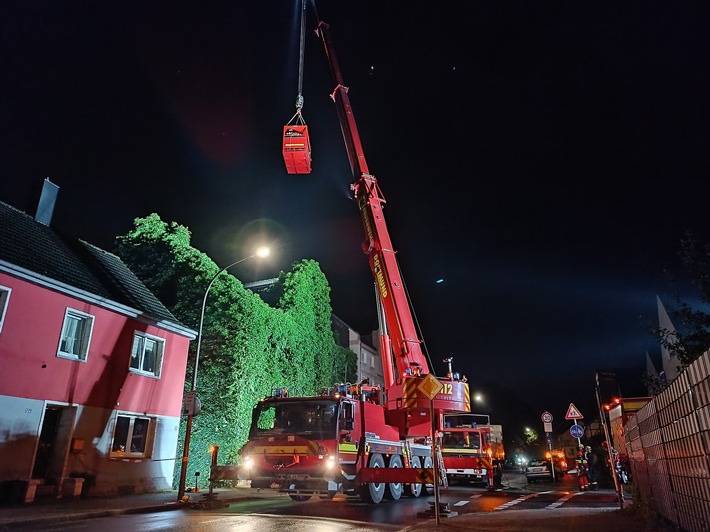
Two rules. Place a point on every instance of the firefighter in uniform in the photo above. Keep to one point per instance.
(591, 471)
(582, 469)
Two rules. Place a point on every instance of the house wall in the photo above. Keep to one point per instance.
(33, 377)
(19, 434)
(28, 351)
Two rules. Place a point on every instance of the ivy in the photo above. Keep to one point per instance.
(248, 347)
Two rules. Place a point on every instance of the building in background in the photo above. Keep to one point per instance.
(92, 367)
(669, 365)
(369, 361)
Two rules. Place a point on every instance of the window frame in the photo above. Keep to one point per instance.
(85, 335)
(5, 293)
(155, 374)
(149, 436)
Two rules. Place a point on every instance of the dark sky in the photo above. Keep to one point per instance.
(541, 157)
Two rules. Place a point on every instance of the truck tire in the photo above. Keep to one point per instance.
(373, 492)
(414, 490)
(394, 489)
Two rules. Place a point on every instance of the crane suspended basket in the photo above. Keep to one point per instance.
(297, 147)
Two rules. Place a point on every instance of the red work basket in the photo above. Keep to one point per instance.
(297, 149)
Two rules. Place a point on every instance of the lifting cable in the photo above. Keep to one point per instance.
(298, 117)
(296, 141)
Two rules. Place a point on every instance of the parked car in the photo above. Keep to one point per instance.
(539, 468)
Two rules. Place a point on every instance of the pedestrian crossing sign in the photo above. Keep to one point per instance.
(573, 412)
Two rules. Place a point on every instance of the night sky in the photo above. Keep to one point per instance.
(541, 157)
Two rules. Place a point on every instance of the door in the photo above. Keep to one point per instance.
(53, 445)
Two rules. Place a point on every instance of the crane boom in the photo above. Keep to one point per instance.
(402, 355)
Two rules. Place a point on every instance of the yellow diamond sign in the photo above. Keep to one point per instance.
(430, 386)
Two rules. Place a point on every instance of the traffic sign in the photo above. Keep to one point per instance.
(548, 427)
(546, 417)
(573, 412)
(577, 431)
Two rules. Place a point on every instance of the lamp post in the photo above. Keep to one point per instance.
(261, 253)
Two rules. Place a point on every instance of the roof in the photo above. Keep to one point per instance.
(37, 248)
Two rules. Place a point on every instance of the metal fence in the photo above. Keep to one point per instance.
(668, 443)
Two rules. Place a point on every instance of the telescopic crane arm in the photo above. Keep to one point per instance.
(409, 359)
(403, 359)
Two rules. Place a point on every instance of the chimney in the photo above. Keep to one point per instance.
(47, 199)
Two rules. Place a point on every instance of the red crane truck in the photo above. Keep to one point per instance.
(357, 438)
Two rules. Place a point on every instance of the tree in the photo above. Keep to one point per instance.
(248, 347)
(691, 337)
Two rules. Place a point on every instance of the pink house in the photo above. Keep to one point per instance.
(92, 368)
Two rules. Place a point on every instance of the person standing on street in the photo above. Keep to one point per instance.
(582, 469)
(591, 471)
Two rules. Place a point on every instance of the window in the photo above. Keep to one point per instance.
(147, 354)
(132, 436)
(4, 299)
(76, 335)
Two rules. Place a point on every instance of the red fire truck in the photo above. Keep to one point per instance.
(471, 451)
(359, 439)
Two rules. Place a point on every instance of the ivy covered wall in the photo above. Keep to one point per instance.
(248, 347)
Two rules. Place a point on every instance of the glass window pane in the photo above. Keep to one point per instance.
(136, 352)
(120, 435)
(139, 436)
(150, 355)
(70, 335)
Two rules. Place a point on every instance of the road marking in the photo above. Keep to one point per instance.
(461, 503)
(561, 501)
(476, 496)
(519, 500)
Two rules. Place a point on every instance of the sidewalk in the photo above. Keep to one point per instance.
(66, 509)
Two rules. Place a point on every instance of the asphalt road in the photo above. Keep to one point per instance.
(542, 506)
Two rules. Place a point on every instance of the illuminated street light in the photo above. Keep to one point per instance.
(478, 398)
(261, 252)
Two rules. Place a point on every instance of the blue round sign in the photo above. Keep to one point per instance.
(576, 431)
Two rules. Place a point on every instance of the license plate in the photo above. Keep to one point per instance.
(536, 469)
(297, 477)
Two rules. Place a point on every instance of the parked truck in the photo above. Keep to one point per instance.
(471, 452)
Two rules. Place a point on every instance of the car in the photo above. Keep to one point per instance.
(539, 469)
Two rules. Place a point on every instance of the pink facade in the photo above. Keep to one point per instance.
(31, 369)
(92, 369)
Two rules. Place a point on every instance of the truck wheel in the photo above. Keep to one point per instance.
(373, 492)
(414, 490)
(394, 489)
(428, 488)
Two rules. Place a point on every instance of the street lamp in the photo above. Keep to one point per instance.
(260, 253)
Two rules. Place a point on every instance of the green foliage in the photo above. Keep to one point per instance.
(248, 347)
(530, 436)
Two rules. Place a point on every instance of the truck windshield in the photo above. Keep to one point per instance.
(315, 419)
(469, 440)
